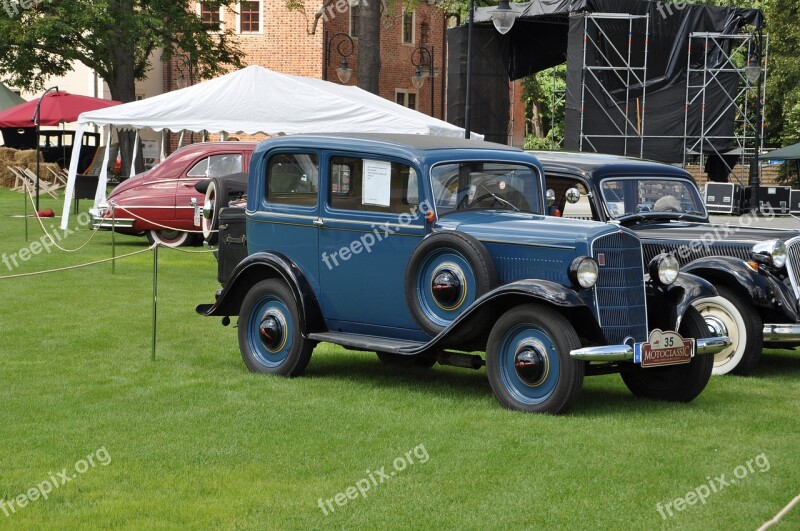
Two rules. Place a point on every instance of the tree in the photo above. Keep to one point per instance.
(115, 38)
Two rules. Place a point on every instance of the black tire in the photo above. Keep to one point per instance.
(739, 320)
(471, 272)
(216, 198)
(168, 237)
(675, 383)
(419, 360)
(528, 361)
(270, 331)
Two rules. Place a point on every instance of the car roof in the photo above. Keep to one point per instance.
(601, 165)
(406, 141)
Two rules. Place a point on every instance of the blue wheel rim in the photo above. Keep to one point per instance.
(528, 336)
(270, 307)
(435, 263)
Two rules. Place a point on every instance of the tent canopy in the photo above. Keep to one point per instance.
(256, 100)
(8, 98)
(785, 153)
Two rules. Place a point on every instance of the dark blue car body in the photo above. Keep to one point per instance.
(406, 276)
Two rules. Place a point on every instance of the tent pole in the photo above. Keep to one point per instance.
(36, 119)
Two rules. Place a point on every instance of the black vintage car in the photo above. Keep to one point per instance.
(755, 270)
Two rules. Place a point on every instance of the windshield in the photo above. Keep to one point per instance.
(485, 185)
(644, 195)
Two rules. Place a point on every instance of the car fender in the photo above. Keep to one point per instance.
(765, 291)
(501, 299)
(261, 266)
(666, 305)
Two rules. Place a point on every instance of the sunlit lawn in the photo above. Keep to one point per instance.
(195, 440)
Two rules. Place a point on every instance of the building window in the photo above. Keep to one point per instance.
(210, 15)
(408, 27)
(250, 17)
(354, 21)
(406, 98)
(139, 97)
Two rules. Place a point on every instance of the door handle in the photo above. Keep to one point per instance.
(318, 222)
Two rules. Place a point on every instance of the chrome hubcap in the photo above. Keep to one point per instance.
(531, 363)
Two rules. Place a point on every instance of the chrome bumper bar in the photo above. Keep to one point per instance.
(782, 333)
(98, 221)
(703, 347)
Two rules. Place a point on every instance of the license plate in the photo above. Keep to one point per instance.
(663, 348)
(197, 211)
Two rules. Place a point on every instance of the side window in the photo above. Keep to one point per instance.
(580, 210)
(293, 179)
(372, 185)
(217, 165)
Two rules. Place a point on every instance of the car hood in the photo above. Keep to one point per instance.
(672, 230)
(128, 184)
(523, 228)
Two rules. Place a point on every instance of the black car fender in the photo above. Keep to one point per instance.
(666, 305)
(765, 291)
(501, 299)
(261, 266)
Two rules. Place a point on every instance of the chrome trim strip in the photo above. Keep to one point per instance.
(527, 244)
(262, 215)
(782, 333)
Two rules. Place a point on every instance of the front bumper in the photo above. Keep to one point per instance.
(703, 347)
(782, 333)
(100, 221)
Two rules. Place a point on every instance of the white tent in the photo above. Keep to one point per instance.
(256, 100)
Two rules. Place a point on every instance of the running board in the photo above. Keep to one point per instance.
(363, 342)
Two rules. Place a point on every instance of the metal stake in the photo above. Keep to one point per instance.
(155, 299)
(113, 242)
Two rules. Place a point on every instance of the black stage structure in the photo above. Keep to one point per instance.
(647, 79)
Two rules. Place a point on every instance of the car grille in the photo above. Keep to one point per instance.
(685, 252)
(793, 263)
(619, 292)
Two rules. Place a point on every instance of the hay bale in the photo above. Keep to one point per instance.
(28, 156)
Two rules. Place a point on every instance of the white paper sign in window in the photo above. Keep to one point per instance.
(377, 183)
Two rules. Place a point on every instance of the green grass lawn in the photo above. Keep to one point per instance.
(195, 440)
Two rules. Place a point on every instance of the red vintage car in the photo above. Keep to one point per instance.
(162, 203)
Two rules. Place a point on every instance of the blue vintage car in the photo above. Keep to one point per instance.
(426, 249)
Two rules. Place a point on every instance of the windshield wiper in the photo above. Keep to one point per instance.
(500, 199)
(632, 216)
(690, 213)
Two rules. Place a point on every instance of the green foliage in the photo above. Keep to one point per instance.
(543, 94)
(114, 37)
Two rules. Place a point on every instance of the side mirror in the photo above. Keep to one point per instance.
(551, 198)
(573, 196)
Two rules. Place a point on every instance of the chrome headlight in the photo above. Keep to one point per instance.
(583, 272)
(772, 252)
(664, 268)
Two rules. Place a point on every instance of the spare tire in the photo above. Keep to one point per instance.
(216, 198)
(446, 273)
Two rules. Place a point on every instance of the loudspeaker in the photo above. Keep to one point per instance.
(723, 198)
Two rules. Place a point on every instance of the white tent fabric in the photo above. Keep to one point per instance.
(256, 100)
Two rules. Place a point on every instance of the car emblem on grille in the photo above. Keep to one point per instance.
(601, 259)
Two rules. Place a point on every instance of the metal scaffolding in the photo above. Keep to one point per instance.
(723, 57)
(617, 62)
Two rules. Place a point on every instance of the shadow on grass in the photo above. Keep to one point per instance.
(778, 363)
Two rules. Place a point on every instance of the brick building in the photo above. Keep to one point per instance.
(309, 44)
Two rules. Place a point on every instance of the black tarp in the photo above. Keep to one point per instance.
(550, 32)
(490, 98)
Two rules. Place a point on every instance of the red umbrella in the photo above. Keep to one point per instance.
(56, 107)
(52, 108)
